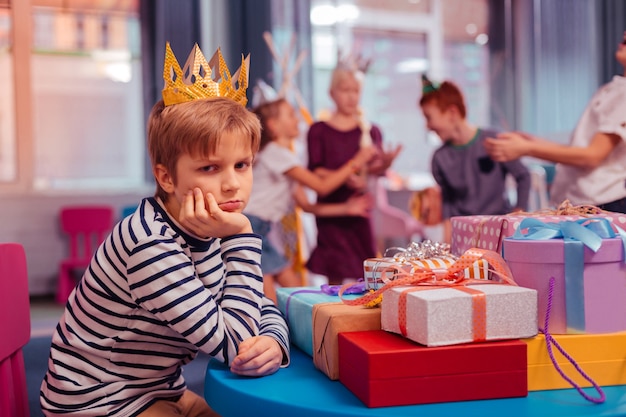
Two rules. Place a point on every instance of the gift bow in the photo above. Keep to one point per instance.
(588, 231)
(425, 279)
(434, 277)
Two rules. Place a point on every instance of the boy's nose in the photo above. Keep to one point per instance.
(230, 181)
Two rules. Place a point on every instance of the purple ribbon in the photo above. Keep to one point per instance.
(357, 288)
(551, 340)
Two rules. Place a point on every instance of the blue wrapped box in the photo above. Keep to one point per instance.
(315, 319)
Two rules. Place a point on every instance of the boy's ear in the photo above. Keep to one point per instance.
(163, 177)
(454, 110)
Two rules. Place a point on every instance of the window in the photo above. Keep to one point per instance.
(87, 110)
(86, 113)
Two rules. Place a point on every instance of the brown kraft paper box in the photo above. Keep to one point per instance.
(330, 319)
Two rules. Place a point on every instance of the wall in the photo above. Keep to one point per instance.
(32, 220)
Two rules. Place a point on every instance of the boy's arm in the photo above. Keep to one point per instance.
(266, 353)
(177, 290)
(331, 180)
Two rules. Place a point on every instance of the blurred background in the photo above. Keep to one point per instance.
(78, 78)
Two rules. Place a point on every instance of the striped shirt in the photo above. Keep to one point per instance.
(151, 299)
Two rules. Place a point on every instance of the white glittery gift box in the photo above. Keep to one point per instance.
(447, 315)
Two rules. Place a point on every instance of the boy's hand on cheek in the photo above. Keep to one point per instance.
(203, 217)
(258, 356)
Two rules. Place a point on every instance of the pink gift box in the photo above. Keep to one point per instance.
(602, 304)
(487, 232)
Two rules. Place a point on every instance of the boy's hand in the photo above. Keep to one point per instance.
(258, 356)
(203, 217)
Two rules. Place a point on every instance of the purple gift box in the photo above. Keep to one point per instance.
(589, 293)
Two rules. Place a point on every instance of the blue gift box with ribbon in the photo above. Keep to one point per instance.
(587, 259)
(296, 304)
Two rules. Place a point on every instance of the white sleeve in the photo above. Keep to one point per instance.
(610, 109)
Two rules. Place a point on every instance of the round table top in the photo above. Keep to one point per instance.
(300, 390)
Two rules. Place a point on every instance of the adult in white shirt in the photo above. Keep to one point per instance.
(592, 168)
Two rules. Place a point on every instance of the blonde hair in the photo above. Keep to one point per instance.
(195, 128)
(340, 73)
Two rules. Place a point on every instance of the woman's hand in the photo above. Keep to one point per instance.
(508, 146)
(258, 356)
(381, 163)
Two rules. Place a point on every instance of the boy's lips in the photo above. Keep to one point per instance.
(232, 205)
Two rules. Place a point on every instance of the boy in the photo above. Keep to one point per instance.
(471, 182)
(180, 275)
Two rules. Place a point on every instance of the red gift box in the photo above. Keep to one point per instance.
(384, 369)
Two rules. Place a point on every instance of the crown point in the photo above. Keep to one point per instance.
(195, 81)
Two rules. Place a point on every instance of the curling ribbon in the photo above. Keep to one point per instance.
(453, 277)
(576, 234)
(449, 277)
(550, 340)
(418, 255)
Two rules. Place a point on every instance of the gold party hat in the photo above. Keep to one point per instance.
(197, 81)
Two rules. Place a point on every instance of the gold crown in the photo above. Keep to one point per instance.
(198, 82)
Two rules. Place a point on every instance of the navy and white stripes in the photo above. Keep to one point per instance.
(153, 297)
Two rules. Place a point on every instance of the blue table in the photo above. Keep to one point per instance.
(302, 391)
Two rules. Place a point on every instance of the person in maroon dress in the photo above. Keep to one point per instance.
(343, 243)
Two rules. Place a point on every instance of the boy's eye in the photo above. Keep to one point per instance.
(208, 168)
(243, 164)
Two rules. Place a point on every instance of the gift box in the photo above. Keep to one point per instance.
(487, 232)
(589, 293)
(378, 271)
(315, 319)
(601, 356)
(384, 369)
(438, 316)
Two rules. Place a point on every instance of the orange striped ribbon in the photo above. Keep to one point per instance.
(453, 276)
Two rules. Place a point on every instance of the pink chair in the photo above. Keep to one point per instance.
(391, 222)
(15, 330)
(86, 226)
